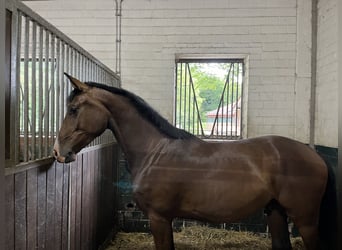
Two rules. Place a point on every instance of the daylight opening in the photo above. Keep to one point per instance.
(208, 97)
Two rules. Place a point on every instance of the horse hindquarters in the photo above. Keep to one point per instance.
(161, 229)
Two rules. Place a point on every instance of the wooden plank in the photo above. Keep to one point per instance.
(9, 212)
(32, 202)
(41, 218)
(101, 195)
(65, 209)
(85, 203)
(91, 196)
(20, 210)
(59, 205)
(74, 194)
(109, 190)
(78, 202)
(96, 198)
(50, 206)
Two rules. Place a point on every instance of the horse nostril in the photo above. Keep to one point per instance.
(55, 153)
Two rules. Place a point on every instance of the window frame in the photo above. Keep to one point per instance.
(217, 58)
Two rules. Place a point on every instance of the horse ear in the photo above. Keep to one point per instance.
(77, 84)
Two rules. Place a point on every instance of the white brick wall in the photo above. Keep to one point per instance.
(90, 23)
(275, 36)
(263, 30)
(327, 84)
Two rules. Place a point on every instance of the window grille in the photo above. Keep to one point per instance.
(209, 104)
(40, 54)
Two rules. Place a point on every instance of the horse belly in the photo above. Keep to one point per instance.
(223, 202)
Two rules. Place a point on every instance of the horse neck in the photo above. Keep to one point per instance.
(136, 136)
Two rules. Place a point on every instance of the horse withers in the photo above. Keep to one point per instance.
(175, 174)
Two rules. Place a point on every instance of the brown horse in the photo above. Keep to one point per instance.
(175, 174)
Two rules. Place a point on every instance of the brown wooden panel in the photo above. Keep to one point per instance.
(85, 204)
(96, 198)
(20, 210)
(43, 223)
(90, 156)
(9, 212)
(78, 203)
(73, 194)
(59, 205)
(32, 202)
(50, 207)
(41, 218)
(65, 215)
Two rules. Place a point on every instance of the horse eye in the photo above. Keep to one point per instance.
(72, 111)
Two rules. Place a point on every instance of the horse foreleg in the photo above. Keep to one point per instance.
(161, 229)
(278, 226)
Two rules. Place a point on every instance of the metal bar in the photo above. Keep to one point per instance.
(196, 103)
(40, 94)
(242, 99)
(52, 116)
(237, 101)
(185, 95)
(67, 69)
(61, 83)
(46, 94)
(34, 91)
(25, 101)
(232, 100)
(226, 118)
(221, 100)
(58, 85)
(180, 94)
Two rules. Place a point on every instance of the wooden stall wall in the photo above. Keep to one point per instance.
(63, 206)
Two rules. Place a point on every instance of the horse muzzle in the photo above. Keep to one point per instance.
(64, 157)
(69, 157)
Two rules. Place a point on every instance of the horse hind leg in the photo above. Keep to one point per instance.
(278, 226)
(161, 229)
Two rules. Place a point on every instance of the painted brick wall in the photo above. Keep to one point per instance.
(275, 36)
(89, 23)
(327, 84)
(265, 31)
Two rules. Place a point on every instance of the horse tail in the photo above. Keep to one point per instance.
(328, 213)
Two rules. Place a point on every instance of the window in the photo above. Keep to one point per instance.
(208, 97)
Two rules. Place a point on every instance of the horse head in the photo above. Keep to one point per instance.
(86, 119)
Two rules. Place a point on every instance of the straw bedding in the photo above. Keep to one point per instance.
(200, 238)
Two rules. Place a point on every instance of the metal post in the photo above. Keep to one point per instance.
(339, 168)
(314, 24)
(2, 124)
(118, 14)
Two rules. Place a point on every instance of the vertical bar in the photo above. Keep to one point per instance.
(180, 94)
(17, 90)
(52, 94)
(176, 94)
(40, 94)
(237, 101)
(189, 102)
(185, 94)
(68, 70)
(25, 109)
(46, 94)
(242, 100)
(33, 91)
(232, 100)
(58, 86)
(61, 82)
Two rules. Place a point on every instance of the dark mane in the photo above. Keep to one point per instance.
(146, 111)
